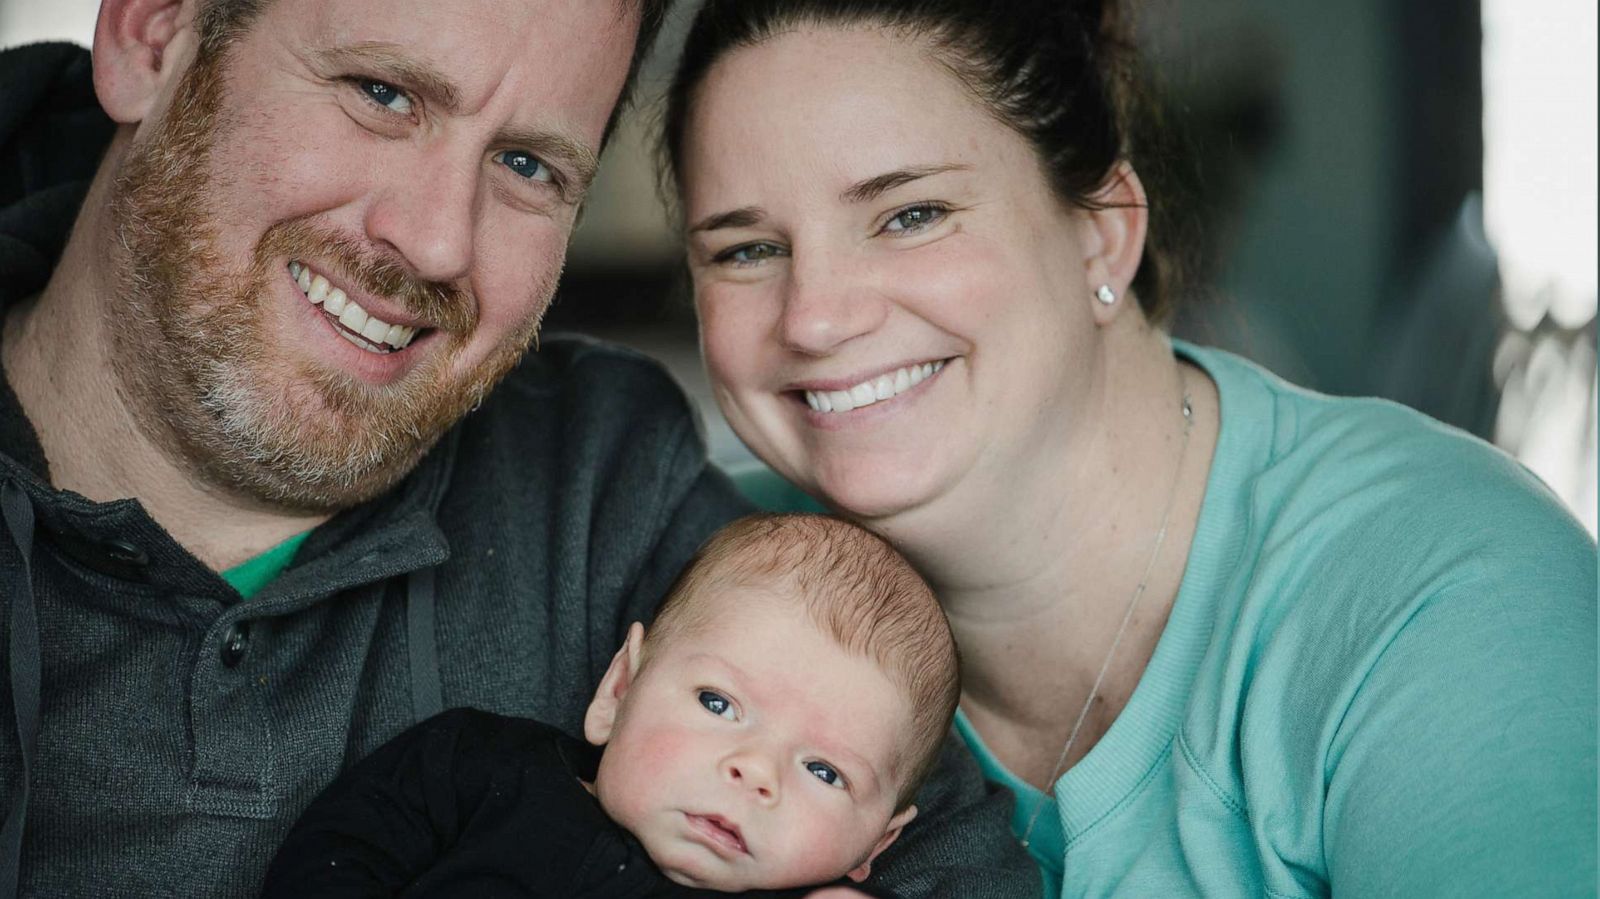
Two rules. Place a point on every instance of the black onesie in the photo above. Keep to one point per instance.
(469, 803)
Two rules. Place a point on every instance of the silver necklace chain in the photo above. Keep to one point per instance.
(1127, 616)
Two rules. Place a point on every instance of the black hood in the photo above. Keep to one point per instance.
(52, 136)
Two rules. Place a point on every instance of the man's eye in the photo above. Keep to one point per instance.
(749, 254)
(525, 165)
(914, 218)
(717, 704)
(386, 95)
(825, 773)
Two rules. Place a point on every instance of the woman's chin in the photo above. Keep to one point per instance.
(866, 494)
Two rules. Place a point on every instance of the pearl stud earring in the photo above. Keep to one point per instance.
(1105, 294)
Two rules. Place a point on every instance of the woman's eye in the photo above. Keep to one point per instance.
(749, 254)
(825, 773)
(386, 95)
(717, 704)
(525, 165)
(914, 218)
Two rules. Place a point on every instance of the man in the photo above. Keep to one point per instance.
(249, 534)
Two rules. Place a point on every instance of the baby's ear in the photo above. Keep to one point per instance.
(602, 715)
(896, 824)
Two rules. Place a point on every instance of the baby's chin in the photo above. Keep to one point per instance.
(721, 881)
(698, 881)
(702, 874)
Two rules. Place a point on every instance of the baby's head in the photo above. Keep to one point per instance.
(791, 696)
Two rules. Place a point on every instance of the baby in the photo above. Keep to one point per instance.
(768, 733)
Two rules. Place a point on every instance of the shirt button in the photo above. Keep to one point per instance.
(126, 553)
(234, 644)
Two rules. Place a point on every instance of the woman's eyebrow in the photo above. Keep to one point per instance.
(860, 192)
(745, 217)
(877, 185)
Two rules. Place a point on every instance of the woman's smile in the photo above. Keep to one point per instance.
(829, 398)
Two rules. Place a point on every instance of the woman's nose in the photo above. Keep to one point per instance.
(753, 772)
(826, 306)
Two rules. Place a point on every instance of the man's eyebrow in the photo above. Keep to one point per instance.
(580, 162)
(387, 60)
(877, 185)
(745, 217)
(391, 61)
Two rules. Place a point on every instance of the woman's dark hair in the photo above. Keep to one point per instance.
(1063, 74)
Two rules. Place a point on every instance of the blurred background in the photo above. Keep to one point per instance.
(1399, 200)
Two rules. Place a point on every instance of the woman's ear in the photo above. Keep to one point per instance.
(1116, 234)
(139, 47)
(601, 718)
(896, 824)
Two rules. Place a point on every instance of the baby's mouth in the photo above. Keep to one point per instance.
(720, 832)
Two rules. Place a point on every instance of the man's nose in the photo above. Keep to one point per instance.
(754, 772)
(428, 216)
(827, 302)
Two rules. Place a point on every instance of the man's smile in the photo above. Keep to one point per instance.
(354, 323)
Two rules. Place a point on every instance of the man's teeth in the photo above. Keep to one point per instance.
(358, 321)
(876, 390)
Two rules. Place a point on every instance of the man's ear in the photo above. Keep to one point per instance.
(601, 718)
(1117, 228)
(139, 47)
(896, 824)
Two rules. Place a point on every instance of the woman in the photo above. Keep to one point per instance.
(1221, 636)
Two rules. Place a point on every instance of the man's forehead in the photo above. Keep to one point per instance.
(548, 62)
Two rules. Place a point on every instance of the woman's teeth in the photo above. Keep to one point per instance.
(876, 390)
(361, 328)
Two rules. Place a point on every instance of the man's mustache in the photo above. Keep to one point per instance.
(439, 305)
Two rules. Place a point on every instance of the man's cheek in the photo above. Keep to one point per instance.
(298, 152)
(516, 265)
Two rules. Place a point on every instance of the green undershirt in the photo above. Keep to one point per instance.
(250, 576)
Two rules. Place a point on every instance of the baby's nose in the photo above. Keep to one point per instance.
(754, 773)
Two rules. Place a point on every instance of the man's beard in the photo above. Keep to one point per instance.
(202, 378)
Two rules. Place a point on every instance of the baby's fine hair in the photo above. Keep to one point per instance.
(858, 590)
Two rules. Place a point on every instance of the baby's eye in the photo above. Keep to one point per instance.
(386, 95)
(750, 253)
(914, 218)
(717, 704)
(825, 773)
(524, 164)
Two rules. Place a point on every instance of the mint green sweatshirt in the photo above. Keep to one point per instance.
(1378, 678)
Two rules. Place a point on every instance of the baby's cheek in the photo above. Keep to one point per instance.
(644, 772)
(820, 847)
(665, 748)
